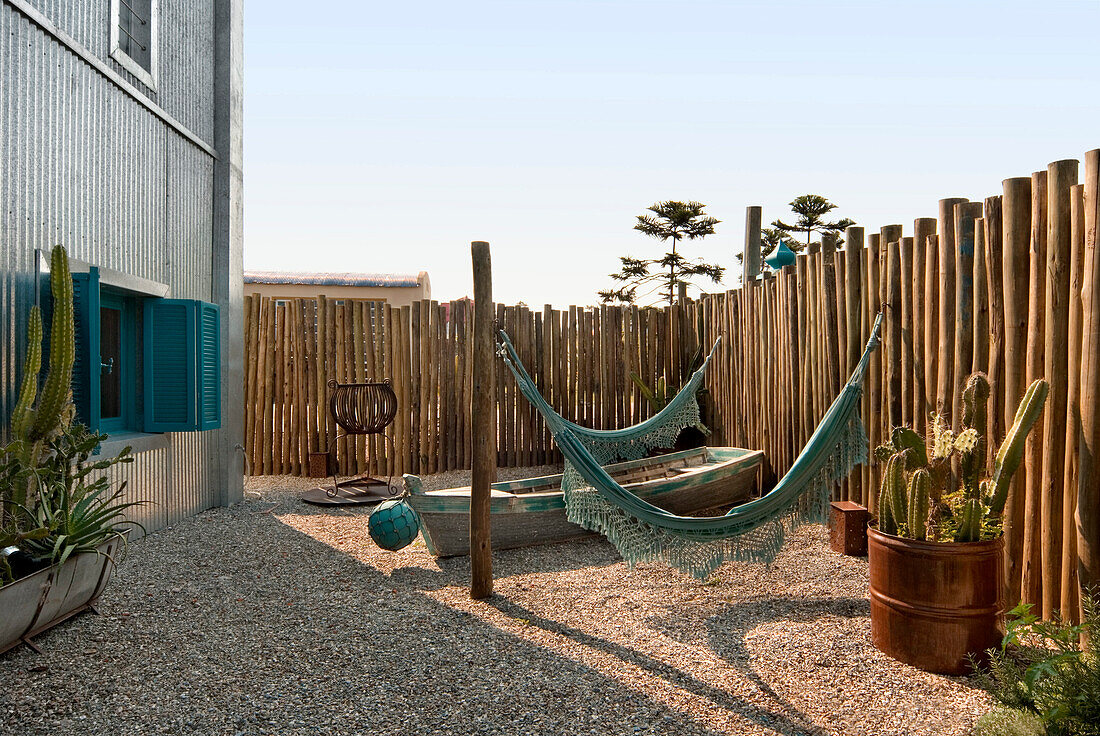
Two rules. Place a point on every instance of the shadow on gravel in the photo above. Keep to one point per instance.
(792, 723)
(728, 628)
(279, 632)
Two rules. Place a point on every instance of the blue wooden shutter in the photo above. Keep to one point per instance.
(169, 349)
(209, 368)
(86, 369)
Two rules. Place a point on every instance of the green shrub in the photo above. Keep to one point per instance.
(1041, 670)
(1003, 721)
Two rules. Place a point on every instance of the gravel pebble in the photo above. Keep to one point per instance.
(274, 617)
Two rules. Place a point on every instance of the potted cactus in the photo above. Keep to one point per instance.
(59, 511)
(936, 552)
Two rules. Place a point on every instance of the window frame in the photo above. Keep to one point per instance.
(128, 419)
(149, 77)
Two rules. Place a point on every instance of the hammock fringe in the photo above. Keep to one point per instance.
(638, 541)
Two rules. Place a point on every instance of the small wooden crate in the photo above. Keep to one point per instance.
(848, 528)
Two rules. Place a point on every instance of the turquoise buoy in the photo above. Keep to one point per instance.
(393, 524)
(782, 256)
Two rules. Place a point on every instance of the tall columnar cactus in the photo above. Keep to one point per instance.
(1011, 452)
(55, 391)
(920, 486)
(886, 522)
(23, 415)
(893, 502)
(975, 402)
(970, 521)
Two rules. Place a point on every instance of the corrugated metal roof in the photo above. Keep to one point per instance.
(332, 279)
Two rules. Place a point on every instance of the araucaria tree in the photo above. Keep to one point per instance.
(666, 221)
(811, 210)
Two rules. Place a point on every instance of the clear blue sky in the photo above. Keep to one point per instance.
(387, 136)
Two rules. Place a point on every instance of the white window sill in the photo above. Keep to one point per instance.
(137, 441)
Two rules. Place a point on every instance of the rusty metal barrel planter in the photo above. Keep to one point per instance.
(933, 603)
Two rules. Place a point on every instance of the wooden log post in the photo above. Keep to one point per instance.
(752, 258)
(1088, 487)
(829, 317)
(980, 335)
(964, 216)
(1070, 605)
(853, 295)
(893, 345)
(873, 400)
(1016, 277)
(1061, 175)
(1036, 344)
(994, 258)
(923, 361)
(484, 443)
(945, 375)
(931, 313)
(905, 330)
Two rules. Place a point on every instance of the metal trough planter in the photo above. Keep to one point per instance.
(933, 603)
(44, 599)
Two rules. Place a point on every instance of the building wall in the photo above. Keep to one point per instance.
(125, 178)
(394, 295)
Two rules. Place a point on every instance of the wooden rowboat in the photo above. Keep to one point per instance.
(532, 510)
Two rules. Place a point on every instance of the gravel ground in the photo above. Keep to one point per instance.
(274, 617)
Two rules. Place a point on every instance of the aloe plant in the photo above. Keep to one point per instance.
(77, 503)
(917, 498)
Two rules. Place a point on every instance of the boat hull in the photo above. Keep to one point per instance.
(521, 517)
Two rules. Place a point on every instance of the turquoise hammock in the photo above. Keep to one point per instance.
(753, 531)
(613, 445)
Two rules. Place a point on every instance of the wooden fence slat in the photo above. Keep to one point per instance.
(1031, 590)
(1016, 278)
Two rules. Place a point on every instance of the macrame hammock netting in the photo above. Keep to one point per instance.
(751, 532)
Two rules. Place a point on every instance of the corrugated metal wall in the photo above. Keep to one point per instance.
(84, 164)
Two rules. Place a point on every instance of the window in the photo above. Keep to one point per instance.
(117, 362)
(144, 363)
(134, 38)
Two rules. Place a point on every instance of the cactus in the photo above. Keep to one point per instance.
(56, 390)
(975, 401)
(905, 439)
(22, 415)
(886, 522)
(917, 472)
(919, 488)
(892, 497)
(1011, 452)
(970, 521)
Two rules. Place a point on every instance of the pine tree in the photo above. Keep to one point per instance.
(673, 221)
(811, 210)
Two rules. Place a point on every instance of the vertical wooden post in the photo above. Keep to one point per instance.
(853, 295)
(1061, 175)
(752, 258)
(1088, 489)
(831, 343)
(1016, 276)
(924, 362)
(874, 263)
(1070, 603)
(964, 215)
(485, 450)
(994, 258)
(980, 327)
(893, 343)
(945, 376)
(905, 330)
(1036, 345)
